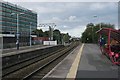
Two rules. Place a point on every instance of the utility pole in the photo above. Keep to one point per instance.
(17, 42)
(92, 34)
(30, 34)
(62, 39)
(100, 27)
(51, 27)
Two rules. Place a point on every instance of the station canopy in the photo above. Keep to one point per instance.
(114, 34)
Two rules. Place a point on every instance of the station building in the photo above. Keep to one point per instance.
(27, 21)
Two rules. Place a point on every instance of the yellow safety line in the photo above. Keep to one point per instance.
(74, 67)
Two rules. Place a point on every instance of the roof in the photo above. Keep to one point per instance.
(115, 34)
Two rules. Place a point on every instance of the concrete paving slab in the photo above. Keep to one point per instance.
(62, 69)
(95, 65)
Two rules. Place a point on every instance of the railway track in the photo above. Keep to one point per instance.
(41, 72)
(11, 60)
(12, 68)
(24, 63)
(29, 69)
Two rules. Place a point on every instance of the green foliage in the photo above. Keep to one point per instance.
(39, 33)
(66, 37)
(57, 35)
(46, 34)
(90, 35)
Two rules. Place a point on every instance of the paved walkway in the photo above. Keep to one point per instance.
(20, 48)
(95, 65)
(62, 69)
(14, 51)
(85, 63)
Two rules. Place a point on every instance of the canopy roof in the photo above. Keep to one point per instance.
(114, 34)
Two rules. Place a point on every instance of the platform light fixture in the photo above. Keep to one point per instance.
(17, 42)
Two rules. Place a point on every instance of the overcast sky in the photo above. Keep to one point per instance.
(72, 17)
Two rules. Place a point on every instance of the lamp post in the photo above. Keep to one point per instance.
(30, 33)
(100, 23)
(51, 28)
(92, 34)
(95, 16)
(62, 39)
(100, 27)
(17, 42)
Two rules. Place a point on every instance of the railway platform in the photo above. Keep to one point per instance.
(85, 63)
(14, 51)
(7, 50)
(17, 56)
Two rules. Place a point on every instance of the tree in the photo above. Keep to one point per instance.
(39, 32)
(46, 34)
(56, 35)
(90, 36)
(89, 25)
(66, 37)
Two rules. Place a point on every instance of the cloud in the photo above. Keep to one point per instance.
(62, 0)
(42, 8)
(97, 6)
(65, 26)
(48, 10)
(71, 17)
(52, 20)
(58, 20)
(76, 31)
(101, 6)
